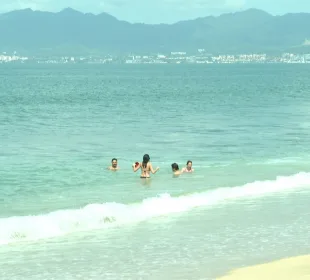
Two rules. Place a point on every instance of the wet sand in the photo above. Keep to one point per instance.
(296, 268)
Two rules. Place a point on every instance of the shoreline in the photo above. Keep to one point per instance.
(294, 268)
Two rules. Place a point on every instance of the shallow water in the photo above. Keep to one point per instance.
(62, 214)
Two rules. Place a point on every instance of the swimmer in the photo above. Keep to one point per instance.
(188, 168)
(114, 166)
(146, 167)
(175, 169)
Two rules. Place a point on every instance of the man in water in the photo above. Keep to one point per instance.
(114, 166)
(188, 168)
(175, 169)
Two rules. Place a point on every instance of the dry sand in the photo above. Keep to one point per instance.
(297, 268)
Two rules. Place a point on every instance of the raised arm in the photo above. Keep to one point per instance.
(135, 168)
(152, 170)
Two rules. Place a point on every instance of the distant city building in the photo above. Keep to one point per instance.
(175, 57)
(178, 53)
(161, 56)
(9, 58)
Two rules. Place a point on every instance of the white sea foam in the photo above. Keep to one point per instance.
(97, 216)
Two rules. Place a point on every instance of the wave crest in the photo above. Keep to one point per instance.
(99, 216)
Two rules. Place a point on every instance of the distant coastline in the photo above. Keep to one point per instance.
(295, 268)
(172, 58)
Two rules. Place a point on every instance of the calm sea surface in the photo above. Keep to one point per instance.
(64, 216)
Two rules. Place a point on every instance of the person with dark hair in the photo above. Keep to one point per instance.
(114, 166)
(146, 167)
(175, 169)
(188, 168)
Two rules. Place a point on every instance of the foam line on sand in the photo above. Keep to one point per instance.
(296, 268)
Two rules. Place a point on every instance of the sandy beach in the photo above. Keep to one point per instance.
(296, 268)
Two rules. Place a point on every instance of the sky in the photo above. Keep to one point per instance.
(159, 11)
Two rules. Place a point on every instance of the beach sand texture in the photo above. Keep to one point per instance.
(297, 268)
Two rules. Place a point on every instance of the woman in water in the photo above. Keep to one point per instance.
(175, 169)
(146, 167)
(189, 167)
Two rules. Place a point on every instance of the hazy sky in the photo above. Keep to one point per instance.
(157, 11)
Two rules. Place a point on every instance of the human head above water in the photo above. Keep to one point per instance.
(146, 159)
(175, 166)
(189, 164)
(114, 162)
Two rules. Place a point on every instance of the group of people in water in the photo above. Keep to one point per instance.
(147, 167)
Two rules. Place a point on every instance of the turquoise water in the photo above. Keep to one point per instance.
(64, 216)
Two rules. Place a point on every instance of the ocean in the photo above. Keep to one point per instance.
(64, 216)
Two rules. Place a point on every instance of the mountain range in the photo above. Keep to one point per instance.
(72, 32)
